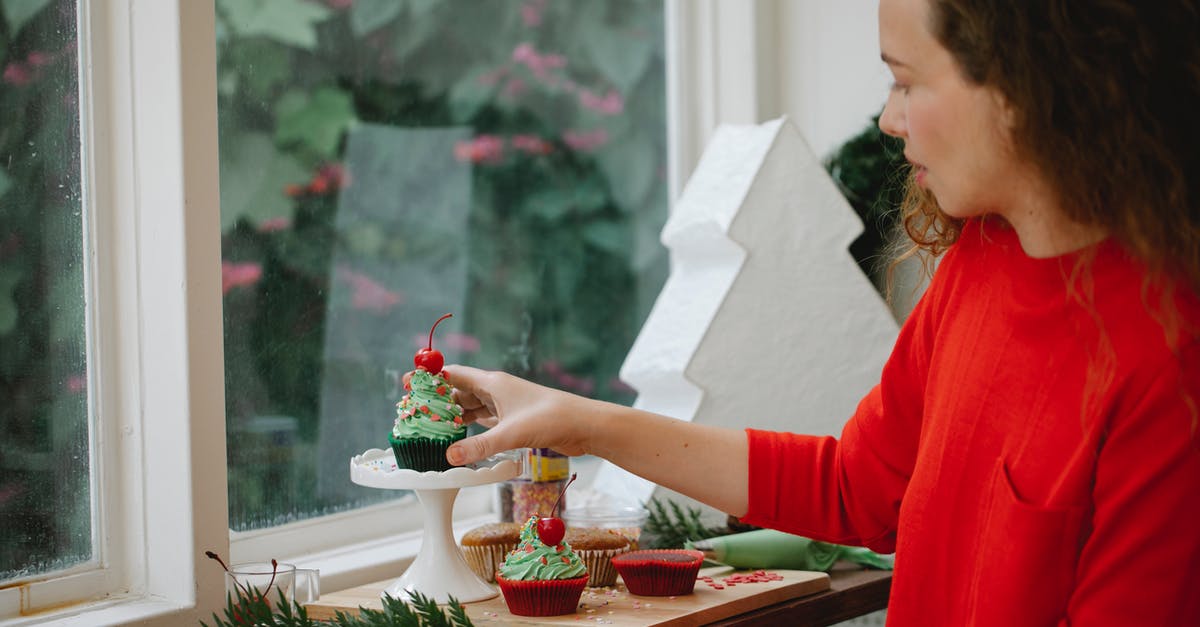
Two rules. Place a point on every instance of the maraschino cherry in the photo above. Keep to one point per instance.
(551, 529)
(427, 358)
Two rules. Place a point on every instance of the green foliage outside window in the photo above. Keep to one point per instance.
(548, 202)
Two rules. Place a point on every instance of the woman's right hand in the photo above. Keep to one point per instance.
(519, 414)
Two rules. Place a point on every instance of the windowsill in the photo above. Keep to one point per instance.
(111, 611)
(375, 560)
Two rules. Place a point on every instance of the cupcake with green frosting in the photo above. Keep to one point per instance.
(428, 421)
(541, 580)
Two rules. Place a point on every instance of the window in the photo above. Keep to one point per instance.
(45, 455)
(383, 163)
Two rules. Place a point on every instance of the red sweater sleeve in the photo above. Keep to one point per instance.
(1137, 566)
(848, 490)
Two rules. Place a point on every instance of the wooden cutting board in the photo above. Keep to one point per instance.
(614, 605)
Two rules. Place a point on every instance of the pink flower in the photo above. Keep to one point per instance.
(567, 380)
(617, 385)
(368, 294)
(585, 141)
(531, 13)
(36, 59)
(335, 174)
(513, 88)
(491, 78)
(482, 149)
(17, 74)
(532, 144)
(239, 275)
(76, 383)
(274, 224)
(611, 104)
(540, 65)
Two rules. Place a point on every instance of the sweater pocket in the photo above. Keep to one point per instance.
(1026, 558)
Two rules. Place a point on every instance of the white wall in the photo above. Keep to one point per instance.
(750, 61)
(832, 81)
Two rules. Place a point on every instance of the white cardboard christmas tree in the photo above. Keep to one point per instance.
(765, 321)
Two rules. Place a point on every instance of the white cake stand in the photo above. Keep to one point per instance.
(439, 572)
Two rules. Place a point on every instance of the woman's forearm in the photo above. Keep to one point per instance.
(709, 464)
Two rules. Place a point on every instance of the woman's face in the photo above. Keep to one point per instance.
(955, 133)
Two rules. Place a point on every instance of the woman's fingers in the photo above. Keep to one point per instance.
(477, 447)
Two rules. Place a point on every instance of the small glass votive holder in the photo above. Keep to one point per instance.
(626, 521)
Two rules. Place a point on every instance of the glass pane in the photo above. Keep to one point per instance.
(383, 163)
(45, 492)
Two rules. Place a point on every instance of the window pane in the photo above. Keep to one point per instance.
(45, 493)
(383, 163)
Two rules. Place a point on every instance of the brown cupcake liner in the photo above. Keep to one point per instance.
(601, 571)
(485, 560)
(542, 597)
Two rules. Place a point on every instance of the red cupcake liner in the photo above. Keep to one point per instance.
(542, 597)
(659, 573)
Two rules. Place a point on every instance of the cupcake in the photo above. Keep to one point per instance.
(485, 547)
(659, 573)
(428, 421)
(541, 580)
(597, 547)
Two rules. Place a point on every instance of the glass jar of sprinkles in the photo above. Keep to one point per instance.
(535, 492)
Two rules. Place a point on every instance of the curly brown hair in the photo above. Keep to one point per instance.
(1106, 103)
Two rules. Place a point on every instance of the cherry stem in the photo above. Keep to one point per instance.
(561, 493)
(245, 588)
(439, 321)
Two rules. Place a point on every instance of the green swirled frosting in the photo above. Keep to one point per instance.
(428, 411)
(532, 559)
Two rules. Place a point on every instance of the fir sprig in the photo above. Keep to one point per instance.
(253, 609)
(670, 530)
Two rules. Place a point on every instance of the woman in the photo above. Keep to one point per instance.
(1031, 453)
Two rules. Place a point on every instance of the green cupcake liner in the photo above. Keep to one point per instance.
(422, 454)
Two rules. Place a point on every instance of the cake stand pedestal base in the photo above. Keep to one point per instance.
(440, 571)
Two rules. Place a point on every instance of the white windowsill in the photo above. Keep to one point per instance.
(110, 611)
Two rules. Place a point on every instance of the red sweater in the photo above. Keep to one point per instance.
(1009, 495)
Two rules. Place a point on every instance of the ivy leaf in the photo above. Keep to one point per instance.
(261, 65)
(470, 93)
(253, 176)
(554, 203)
(316, 121)
(611, 237)
(18, 12)
(9, 278)
(290, 22)
(622, 57)
(368, 15)
(421, 8)
(631, 166)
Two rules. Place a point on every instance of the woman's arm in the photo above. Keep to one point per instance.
(709, 464)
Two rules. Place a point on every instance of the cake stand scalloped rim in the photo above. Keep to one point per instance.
(365, 472)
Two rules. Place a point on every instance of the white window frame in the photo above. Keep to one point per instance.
(153, 286)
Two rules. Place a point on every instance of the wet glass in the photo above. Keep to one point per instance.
(383, 163)
(46, 518)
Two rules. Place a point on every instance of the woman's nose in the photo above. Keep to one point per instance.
(891, 121)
